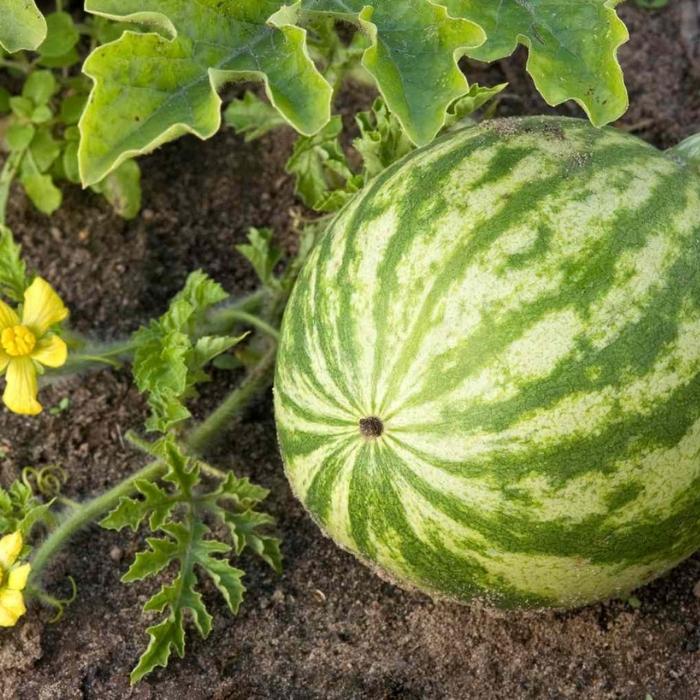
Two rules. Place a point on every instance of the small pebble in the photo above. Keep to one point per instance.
(116, 553)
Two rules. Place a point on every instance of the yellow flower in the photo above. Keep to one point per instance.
(13, 579)
(27, 343)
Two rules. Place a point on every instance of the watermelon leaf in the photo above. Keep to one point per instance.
(252, 117)
(150, 88)
(169, 361)
(415, 45)
(22, 26)
(176, 509)
(573, 48)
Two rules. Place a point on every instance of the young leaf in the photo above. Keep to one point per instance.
(22, 26)
(573, 48)
(476, 98)
(122, 189)
(177, 511)
(40, 87)
(42, 191)
(252, 117)
(61, 37)
(382, 140)
(151, 88)
(262, 255)
(20, 509)
(13, 271)
(324, 180)
(168, 360)
(413, 56)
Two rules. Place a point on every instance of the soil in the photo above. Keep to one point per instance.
(326, 628)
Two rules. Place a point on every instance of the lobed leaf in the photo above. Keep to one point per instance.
(415, 46)
(151, 88)
(22, 26)
(573, 47)
(262, 254)
(180, 511)
(168, 360)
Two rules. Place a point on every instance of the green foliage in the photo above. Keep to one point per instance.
(687, 151)
(252, 117)
(262, 255)
(382, 140)
(324, 180)
(177, 509)
(413, 56)
(58, 49)
(652, 4)
(22, 26)
(20, 509)
(153, 87)
(41, 131)
(150, 88)
(169, 357)
(573, 49)
(13, 271)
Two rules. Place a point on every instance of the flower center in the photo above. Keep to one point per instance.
(17, 341)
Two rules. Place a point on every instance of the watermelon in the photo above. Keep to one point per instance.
(488, 382)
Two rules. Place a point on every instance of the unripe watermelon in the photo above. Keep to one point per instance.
(488, 381)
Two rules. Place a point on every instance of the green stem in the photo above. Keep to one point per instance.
(16, 65)
(220, 320)
(86, 355)
(250, 320)
(88, 512)
(261, 375)
(198, 439)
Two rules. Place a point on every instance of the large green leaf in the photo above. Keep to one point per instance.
(153, 87)
(415, 46)
(573, 47)
(22, 26)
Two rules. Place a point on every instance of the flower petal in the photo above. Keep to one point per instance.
(50, 351)
(4, 361)
(43, 308)
(7, 316)
(10, 547)
(17, 579)
(22, 387)
(11, 607)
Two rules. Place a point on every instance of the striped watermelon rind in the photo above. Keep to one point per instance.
(518, 305)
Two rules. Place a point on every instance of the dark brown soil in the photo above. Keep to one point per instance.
(327, 628)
